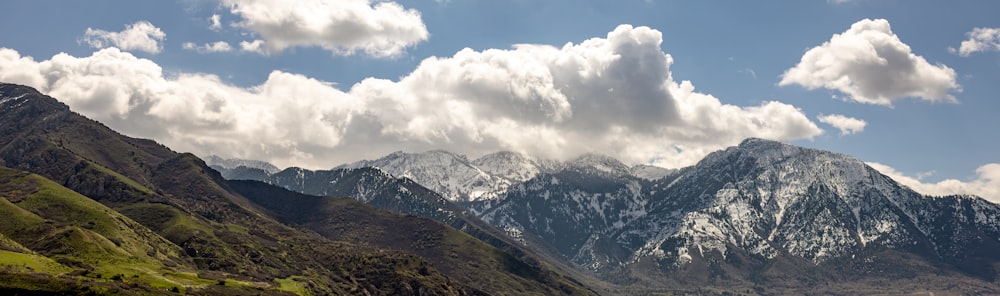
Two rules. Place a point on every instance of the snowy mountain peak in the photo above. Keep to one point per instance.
(511, 166)
(232, 163)
(600, 163)
(450, 174)
(768, 198)
(762, 199)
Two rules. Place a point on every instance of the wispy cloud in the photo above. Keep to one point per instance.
(980, 40)
(213, 47)
(846, 125)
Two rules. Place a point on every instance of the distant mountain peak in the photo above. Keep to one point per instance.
(601, 163)
(450, 174)
(751, 141)
(233, 163)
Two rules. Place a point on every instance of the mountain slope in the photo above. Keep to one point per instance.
(71, 232)
(377, 188)
(764, 191)
(455, 253)
(763, 214)
(181, 199)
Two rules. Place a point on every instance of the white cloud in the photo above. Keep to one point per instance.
(980, 39)
(612, 95)
(286, 117)
(986, 184)
(256, 46)
(141, 36)
(216, 22)
(21, 70)
(870, 64)
(846, 125)
(342, 27)
(218, 46)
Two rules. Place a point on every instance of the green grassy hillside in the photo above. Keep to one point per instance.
(53, 230)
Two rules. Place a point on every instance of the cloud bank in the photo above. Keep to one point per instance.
(342, 27)
(141, 36)
(871, 65)
(613, 95)
(986, 184)
(846, 125)
(980, 40)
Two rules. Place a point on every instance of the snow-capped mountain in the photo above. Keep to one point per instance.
(369, 185)
(489, 177)
(769, 198)
(376, 187)
(599, 164)
(449, 174)
(568, 210)
(455, 176)
(741, 210)
(762, 207)
(514, 167)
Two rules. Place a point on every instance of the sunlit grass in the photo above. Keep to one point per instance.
(21, 262)
(291, 284)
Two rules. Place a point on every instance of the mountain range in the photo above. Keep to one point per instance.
(760, 215)
(88, 210)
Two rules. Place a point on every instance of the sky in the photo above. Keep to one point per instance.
(908, 86)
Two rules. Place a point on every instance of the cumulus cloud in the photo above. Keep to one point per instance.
(870, 64)
(342, 27)
(141, 36)
(985, 185)
(846, 125)
(980, 39)
(612, 95)
(218, 46)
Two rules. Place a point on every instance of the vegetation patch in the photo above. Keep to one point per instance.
(293, 284)
(28, 263)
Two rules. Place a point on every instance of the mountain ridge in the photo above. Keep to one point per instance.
(761, 203)
(762, 217)
(234, 246)
(755, 203)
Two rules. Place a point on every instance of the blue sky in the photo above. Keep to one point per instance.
(305, 97)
